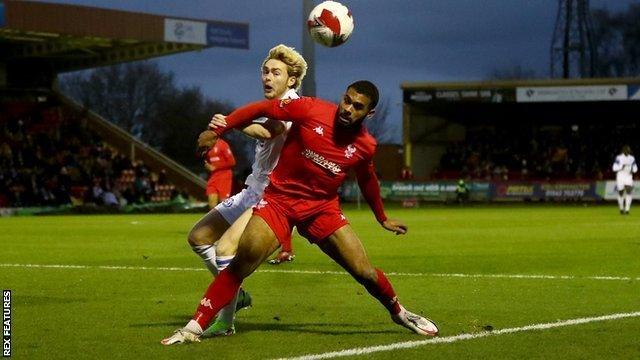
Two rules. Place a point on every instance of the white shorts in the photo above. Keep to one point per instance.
(622, 181)
(233, 207)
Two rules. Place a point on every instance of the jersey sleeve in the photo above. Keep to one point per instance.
(225, 159)
(368, 183)
(617, 164)
(286, 109)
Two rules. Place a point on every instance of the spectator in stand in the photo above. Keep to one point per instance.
(406, 173)
(219, 161)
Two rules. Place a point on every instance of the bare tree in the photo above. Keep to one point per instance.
(129, 95)
(617, 40)
(381, 126)
(144, 100)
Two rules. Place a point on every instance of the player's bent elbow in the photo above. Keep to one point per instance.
(278, 128)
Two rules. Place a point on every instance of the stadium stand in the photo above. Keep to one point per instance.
(569, 152)
(50, 157)
(53, 151)
(538, 130)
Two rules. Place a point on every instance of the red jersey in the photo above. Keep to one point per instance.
(318, 152)
(221, 158)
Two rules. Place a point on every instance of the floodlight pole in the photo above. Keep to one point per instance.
(572, 49)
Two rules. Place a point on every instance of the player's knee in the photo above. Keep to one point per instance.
(366, 275)
(197, 237)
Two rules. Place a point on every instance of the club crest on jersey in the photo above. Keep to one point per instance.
(319, 130)
(348, 153)
(227, 202)
(284, 102)
(260, 204)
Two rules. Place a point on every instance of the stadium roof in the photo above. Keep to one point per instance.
(492, 84)
(545, 90)
(70, 37)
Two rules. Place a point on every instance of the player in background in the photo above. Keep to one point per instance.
(324, 142)
(219, 161)
(624, 167)
(282, 72)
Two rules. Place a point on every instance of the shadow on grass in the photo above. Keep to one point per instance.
(328, 328)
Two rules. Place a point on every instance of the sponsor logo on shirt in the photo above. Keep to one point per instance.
(321, 161)
(319, 130)
(228, 202)
(350, 151)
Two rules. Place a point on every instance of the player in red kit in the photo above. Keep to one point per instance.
(324, 142)
(219, 160)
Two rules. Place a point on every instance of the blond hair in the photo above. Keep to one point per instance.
(296, 65)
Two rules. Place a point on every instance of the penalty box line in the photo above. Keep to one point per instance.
(461, 337)
(329, 272)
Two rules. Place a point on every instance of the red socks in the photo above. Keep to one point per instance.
(385, 294)
(286, 245)
(226, 285)
(220, 293)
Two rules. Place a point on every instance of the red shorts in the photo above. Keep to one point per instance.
(220, 185)
(315, 219)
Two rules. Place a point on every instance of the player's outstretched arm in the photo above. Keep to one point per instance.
(264, 130)
(396, 226)
(286, 110)
(368, 183)
(617, 166)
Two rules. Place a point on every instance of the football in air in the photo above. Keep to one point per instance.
(330, 23)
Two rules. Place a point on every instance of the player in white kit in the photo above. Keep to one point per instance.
(624, 167)
(215, 237)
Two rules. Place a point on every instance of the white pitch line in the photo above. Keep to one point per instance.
(461, 337)
(329, 272)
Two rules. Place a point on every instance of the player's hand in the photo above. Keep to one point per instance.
(218, 121)
(206, 140)
(398, 227)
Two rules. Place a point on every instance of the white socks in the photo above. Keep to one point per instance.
(624, 201)
(627, 205)
(193, 327)
(621, 202)
(208, 255)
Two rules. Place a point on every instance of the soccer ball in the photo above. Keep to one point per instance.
(330, 23)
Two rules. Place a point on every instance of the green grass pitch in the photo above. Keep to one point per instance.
(457, 266)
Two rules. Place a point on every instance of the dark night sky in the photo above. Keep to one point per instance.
(393, 42)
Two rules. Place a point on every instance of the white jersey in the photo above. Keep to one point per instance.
(625, 165)
(268, 153)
